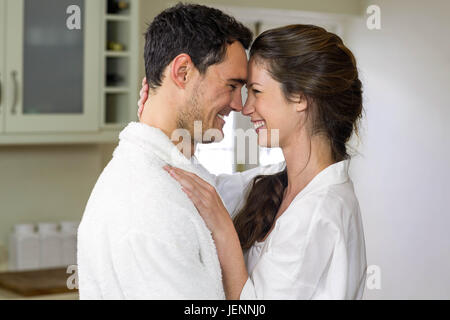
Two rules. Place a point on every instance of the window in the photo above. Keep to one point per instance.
(270, 156)
(218, 158)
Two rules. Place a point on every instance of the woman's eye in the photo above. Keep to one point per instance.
(256, 91)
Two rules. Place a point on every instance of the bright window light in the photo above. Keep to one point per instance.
(270, 156)
(218, 158)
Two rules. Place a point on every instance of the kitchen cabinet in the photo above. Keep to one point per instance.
(2, 63)
(54, 72)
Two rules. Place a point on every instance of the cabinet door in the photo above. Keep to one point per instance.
(2, 64)
(52, 71)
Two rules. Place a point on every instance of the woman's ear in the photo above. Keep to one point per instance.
(180, 69)
(301, 104)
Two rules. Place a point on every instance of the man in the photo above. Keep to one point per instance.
(140, 236)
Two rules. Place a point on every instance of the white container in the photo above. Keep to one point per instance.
(69, 242)
(23, 248)
(50, 246)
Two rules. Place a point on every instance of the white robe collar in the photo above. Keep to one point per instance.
(154, 141)
(336, 173)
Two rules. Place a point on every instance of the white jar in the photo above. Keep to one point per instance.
(23, 248)
(50, 246)
(69, 242)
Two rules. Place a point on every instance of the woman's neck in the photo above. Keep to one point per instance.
(303, 162)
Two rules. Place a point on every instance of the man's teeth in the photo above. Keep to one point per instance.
(221, 117)
(258, 124)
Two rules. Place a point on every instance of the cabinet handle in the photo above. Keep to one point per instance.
(1, 93)
(15, 92)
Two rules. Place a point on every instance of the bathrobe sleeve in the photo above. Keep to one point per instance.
(232, 187)
(152, 268)
(306, 255)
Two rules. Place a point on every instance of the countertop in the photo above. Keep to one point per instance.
(8, 295)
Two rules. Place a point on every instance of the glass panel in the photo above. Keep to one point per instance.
(53, 58)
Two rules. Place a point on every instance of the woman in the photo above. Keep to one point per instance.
(300, 228)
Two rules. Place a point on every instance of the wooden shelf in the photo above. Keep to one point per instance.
(118, 101)
(116, 90)
(117, 17)
(113, 54)
(119, 98)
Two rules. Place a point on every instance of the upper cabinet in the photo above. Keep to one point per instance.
(68, 69)
(52, 69)
(2, 63)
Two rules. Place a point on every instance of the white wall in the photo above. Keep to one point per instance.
(47, 183)
(402, 177)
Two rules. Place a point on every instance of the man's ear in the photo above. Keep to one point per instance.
(181, 69)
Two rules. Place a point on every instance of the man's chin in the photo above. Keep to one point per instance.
(213, 140)
(213, 135)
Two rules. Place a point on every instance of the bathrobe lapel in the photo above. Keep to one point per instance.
(154, 141)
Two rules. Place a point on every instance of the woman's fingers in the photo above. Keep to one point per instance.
(195, 180)
(185, 181)
(143, 96)
(203, 196)
(194, 185)
(142, 99)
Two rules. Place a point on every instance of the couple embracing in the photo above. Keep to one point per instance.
(158, 225)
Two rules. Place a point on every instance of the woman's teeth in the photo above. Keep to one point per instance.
(221, 117)
(258, 124)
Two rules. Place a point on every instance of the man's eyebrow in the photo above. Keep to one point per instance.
(240, 81)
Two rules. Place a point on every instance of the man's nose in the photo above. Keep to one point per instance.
(236, 103)
(248, 108)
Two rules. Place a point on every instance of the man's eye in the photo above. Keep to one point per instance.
(233, 87)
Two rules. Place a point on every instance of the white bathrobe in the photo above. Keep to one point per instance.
(140, 236)
(316, 249)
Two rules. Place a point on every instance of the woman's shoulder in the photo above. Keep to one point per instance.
(333, 208)
(325, 211)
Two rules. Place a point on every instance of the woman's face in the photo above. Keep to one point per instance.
(275, 119)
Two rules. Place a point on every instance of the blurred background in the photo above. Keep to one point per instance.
(70, 73)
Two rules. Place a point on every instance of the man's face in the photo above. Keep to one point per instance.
(215, 94)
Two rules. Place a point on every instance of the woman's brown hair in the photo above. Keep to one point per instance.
(309, 61)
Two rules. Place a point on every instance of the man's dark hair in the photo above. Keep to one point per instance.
(199, 31)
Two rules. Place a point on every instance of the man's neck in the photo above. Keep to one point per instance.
(159, 113)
